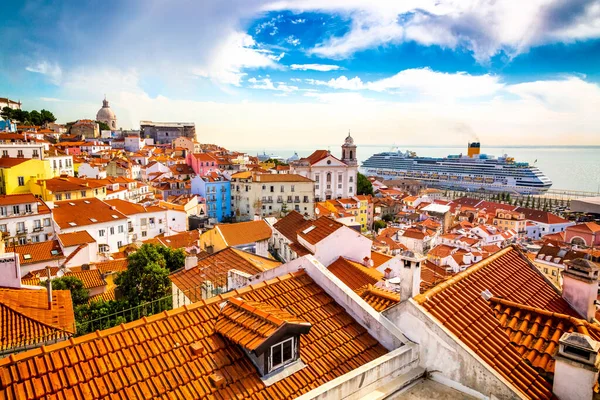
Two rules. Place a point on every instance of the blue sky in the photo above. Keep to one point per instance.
(279, 73)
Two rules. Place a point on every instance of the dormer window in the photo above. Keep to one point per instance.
(282, 353)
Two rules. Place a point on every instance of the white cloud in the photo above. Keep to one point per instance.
(294, 41)
(51, 70)
(267, 84)
(50, 99)
(315, 67)
(482, 26)
(422, 82)
(298, 21)
(338, 98)
(238, 53)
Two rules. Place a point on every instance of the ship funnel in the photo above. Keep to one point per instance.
(474, 149)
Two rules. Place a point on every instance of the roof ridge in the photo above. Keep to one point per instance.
(143, 321)
(247, 306)
(421, 298)
(370, 272)
(387, 294)
(577, 322)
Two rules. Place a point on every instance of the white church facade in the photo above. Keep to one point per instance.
(334, 178)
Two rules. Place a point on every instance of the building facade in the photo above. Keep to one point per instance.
(217, 194)
(334, 178)
(271, 195)
(24, 219)
(166, 132)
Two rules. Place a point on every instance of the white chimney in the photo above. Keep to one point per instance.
(580, 286)
(576, 367)
(191, 262)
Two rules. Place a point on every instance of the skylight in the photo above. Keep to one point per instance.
(72, 224)
(27, 256)
(71, 204)
(86, 201)
(93, 220)
(115, 217)
(54, 252)
(307, 230)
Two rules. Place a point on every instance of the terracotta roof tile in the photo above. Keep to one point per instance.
(319, 229)
(353, 274)
(108, 295)
(377, 298)
(107, 267)
(269, 178)
(289, 225)
(507, 274)
(244, 232)
(544, 217)
(317, 156)
(10, 199)
(179, 354)
(250, 323)
(214, 268)
(39, 252)
(75, 238)
(379, 258)
(25, 319)
(91, 278)
(83, 212)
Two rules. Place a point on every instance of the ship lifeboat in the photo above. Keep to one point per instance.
(443, 177)
(467, 179)
(489, 180)
(454, 177)
(478, 179)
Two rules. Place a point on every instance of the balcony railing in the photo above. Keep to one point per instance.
(21, 231)
(38, 229)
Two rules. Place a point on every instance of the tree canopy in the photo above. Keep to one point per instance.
(79, 294)
(147, 275)
(363, 185)
(33, 117)
(103, 126)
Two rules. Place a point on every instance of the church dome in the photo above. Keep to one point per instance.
(106, 115)
(349, 141)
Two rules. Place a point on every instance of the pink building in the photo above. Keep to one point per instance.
(202, 163)
(585, 234)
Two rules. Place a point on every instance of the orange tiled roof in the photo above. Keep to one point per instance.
(244, 232)
(353, 274)
(323, 227)
(535, 332)
(251, 323)
(75, 238)
(379, 258)
(107, 267)
(105, 296)
(82, 212)
(377, 298)
(152, 357)
(25, 319)
(317, 156)
(8, 162)
(458, 305)
(33, 253)
(214, 268)
(289, 225)
(267, 178)
(91, 278)
(10, 199)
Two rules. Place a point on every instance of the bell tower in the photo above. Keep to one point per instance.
(349, 151)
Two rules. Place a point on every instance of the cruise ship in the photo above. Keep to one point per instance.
(472, 172)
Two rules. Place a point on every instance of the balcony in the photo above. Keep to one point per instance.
(38, 229)
(21, 231)
(296, 200)
(289, 201)
(130, 229)
(280, 200)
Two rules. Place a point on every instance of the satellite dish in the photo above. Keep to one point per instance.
(317, 211)
(60, 273)
(371, 263)
(395, 281)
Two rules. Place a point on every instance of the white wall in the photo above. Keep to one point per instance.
(108, 238)
(343, 242)
(177, 221)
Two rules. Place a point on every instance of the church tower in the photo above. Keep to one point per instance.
(349, 151)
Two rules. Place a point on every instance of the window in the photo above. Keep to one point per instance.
(16, 209)
(329, 177)
(101, 232)
(143, 221)
(23, 240)
(20, 153)
(339, 185)
(21, 180)
(112, 230)
(103, 248)
(35, 154)
(554, 273)
(37, 223)
(3, 211)
(35, 239)
(340, 177)
(83, 193)
(120, 229)
(317, 178)
(272, 189)
(58, 197)
(293, 188)
(119, 244)
(47, 222)
(351, 179)
(264, 187)
(282, 188)
(282, 353)
(4, 153)
(68, 196)
(144, 233)
(306, 199)
(3, 228)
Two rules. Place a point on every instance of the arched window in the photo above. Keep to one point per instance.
(577, 241)
(329, 177)
(351, 155)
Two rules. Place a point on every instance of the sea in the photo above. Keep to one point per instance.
(573, 168)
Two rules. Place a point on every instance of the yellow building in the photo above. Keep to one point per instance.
(68, 188)
(18, 175)
(357, 206)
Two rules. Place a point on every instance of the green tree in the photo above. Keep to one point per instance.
(46, 117)
(175, 259)
(388, 218)
(79, 294)
(36, 118)
(21, 116)
(363, 185)
(103, 126)
(377, 225)
(7, 113)
(146, 277)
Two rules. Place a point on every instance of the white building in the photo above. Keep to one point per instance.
(21, 149)
(334, 178)
(61, 164)
(95, 171)
(147, 222)
(102, 221)
(25, 219)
